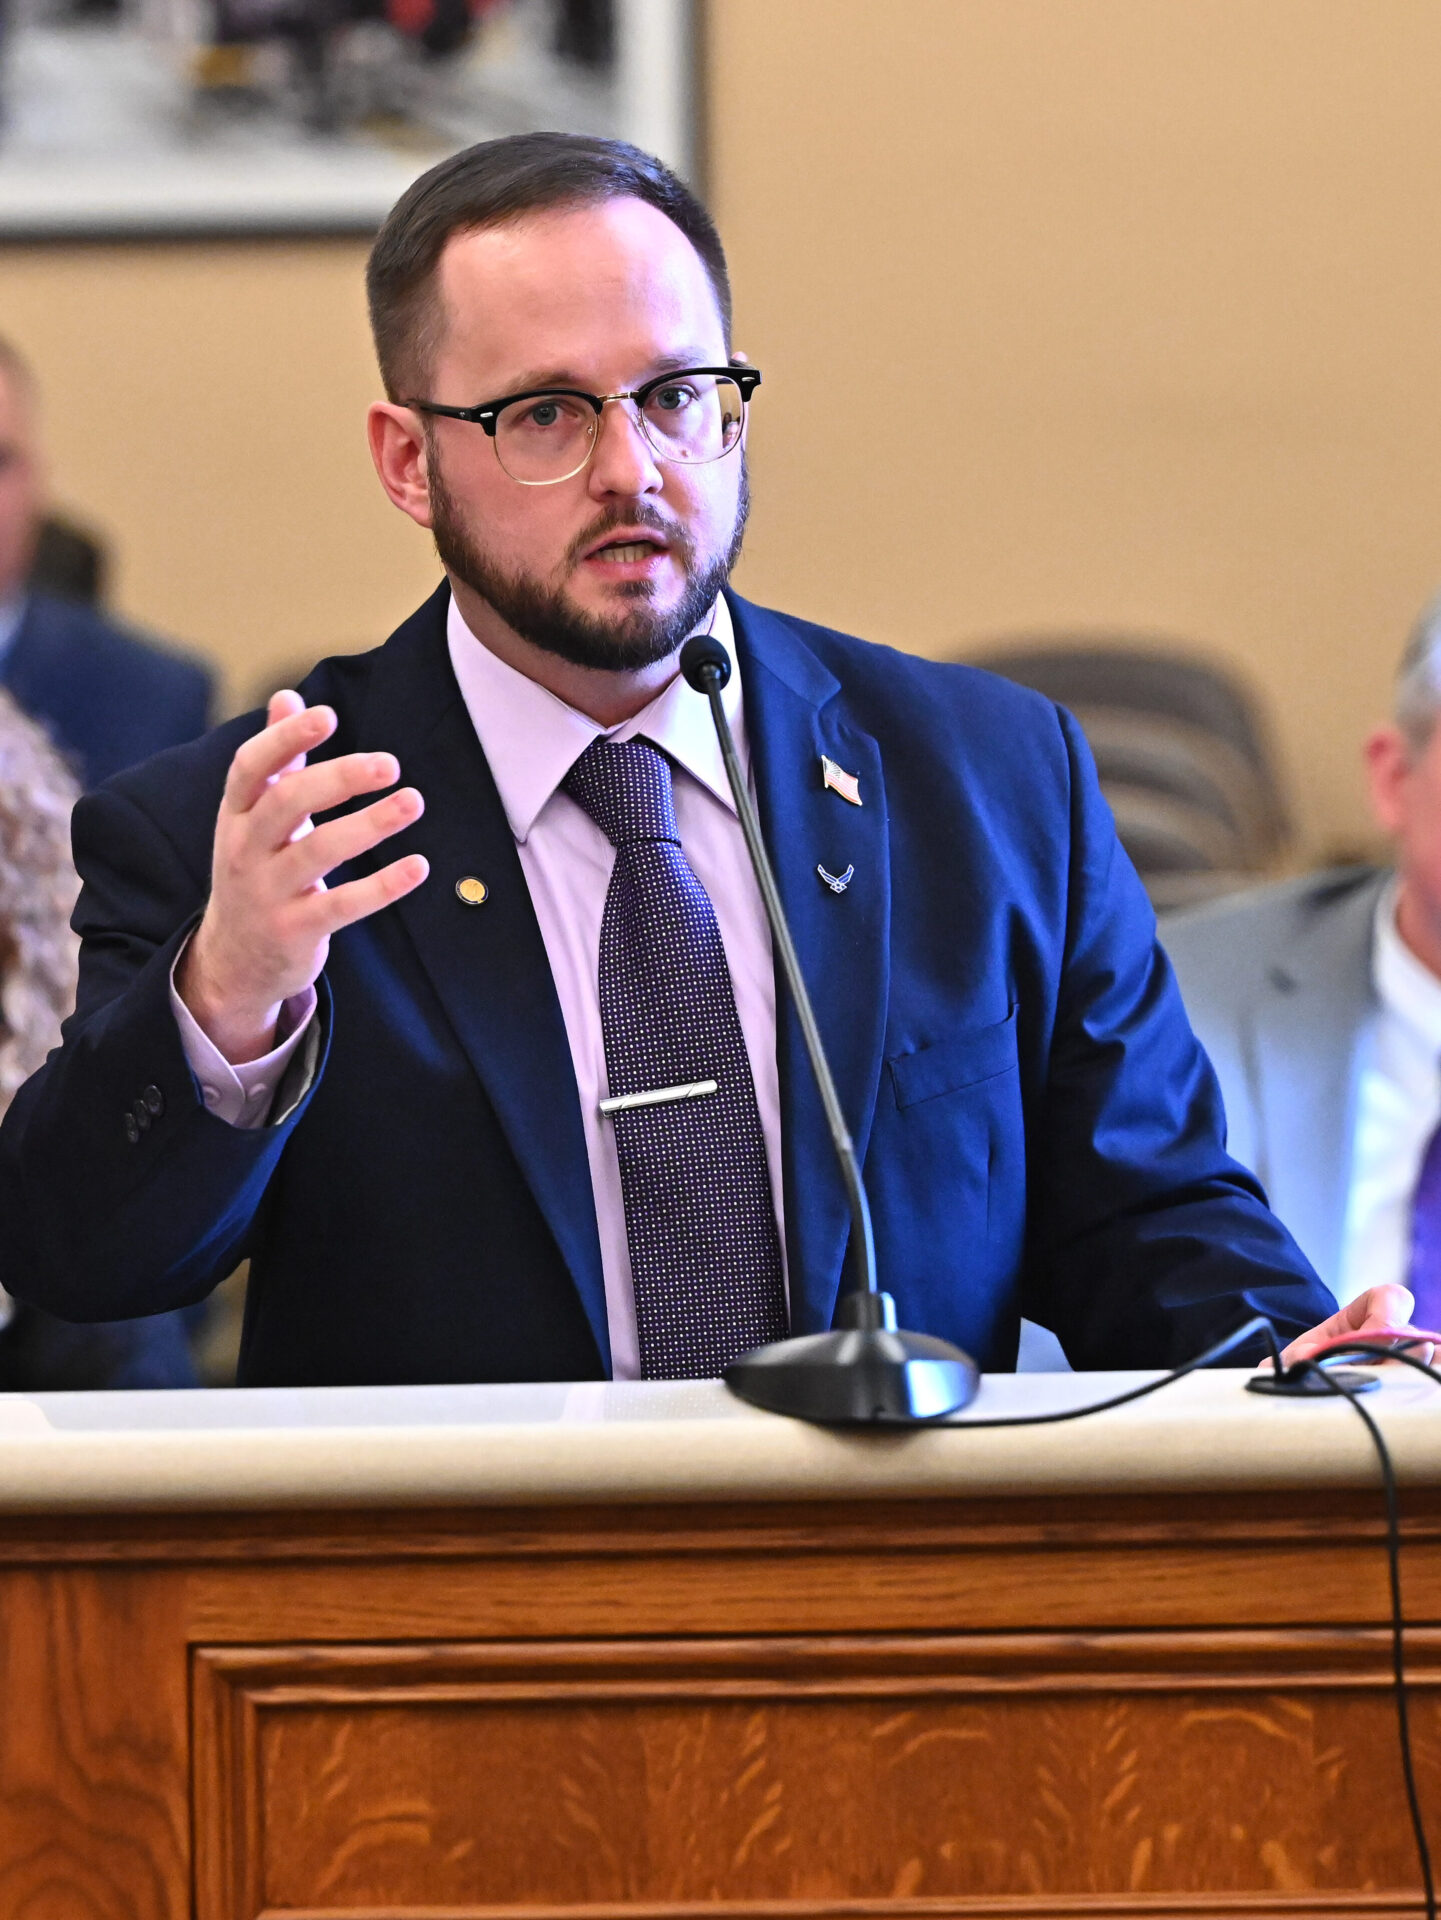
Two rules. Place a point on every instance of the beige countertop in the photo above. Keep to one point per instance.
(688, 1441)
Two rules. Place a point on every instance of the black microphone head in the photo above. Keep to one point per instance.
(705, 662)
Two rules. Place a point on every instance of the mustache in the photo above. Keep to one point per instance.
(635, 515)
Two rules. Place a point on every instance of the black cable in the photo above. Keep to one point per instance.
(1358, 1349)
(1260, 1325)
(1393, 1560)
(1363, 1349)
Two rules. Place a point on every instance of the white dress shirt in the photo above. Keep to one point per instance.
(531, 740)
(1398, 1107)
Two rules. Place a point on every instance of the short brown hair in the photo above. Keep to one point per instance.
(487, 186)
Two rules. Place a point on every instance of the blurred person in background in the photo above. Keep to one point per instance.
(1319, 1002)
(107, 697)
(37, 990)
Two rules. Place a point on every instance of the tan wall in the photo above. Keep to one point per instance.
(1143, 297)
(1072, 312)
(205, 406)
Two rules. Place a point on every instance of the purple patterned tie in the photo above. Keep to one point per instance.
(704, 1251)
(1423, 1274)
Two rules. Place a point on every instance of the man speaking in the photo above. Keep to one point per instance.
(389, 1040)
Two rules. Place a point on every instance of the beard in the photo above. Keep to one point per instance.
(543, 613)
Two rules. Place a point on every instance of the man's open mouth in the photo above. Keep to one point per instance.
(628, 550)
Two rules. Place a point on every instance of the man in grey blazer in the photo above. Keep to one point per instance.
(1319, 1002)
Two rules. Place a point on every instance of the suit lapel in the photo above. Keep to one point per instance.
(793, 717)
(1313, 1011)
(487, 964)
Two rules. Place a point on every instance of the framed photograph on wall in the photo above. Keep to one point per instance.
(156, 118)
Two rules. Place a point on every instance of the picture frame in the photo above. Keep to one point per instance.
(155, 119)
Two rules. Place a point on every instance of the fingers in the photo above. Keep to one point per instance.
(266, 928)
(343, 906)
(273, 750)
(1316, 1339)
(330, 846)
(281, 706)
(1384, 1306)
(1305, 1344)
(292, 797)
(1379, 1310)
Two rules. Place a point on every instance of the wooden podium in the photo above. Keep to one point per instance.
(594, 1652)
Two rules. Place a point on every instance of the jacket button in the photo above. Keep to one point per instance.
(132, 1129)
(141, 1115)
(154, 1102)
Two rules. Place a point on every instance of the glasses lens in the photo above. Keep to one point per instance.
(547, 437)
(694, 417)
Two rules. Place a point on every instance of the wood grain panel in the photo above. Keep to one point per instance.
(770, 1568)
(98, 1614)
(94, 1814)
(790, 1774)
(773, 1592)
(1316, 1516)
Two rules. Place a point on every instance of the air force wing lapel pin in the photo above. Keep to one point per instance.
(847, 785)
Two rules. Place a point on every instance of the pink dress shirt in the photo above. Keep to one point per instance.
(531, 740)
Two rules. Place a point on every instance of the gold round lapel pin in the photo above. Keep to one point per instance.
(473, 892)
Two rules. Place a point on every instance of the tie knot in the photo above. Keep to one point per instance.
(625, 787)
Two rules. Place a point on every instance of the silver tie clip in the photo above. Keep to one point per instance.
(659, 1096)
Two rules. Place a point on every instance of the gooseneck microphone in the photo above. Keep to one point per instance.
(866, 1370)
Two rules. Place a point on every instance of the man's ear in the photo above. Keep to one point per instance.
(1388, 767)
(398, 448)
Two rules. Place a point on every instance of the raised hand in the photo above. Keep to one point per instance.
(266, 931)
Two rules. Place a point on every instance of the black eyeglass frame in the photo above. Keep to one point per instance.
(487, 414)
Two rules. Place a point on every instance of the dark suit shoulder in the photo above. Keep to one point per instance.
(108, 696)
(111, 647)
(1227, 951)
(1268, 916)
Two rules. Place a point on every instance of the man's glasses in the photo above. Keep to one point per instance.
(545, 436)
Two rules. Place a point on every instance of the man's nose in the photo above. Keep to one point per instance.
(624, 461)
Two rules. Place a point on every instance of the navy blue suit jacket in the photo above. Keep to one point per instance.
(1040, 1130)
(107, 697)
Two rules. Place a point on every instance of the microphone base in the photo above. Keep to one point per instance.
(864, 1373)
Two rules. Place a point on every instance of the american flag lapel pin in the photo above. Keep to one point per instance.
(847, 785)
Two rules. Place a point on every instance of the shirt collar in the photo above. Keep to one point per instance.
(532, 739)
(1405, 985)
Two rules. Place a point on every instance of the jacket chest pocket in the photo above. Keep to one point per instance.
(964, 1060)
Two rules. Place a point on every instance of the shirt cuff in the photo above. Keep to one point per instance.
(242, 1096)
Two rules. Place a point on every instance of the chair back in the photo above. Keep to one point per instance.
(1182, 752)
